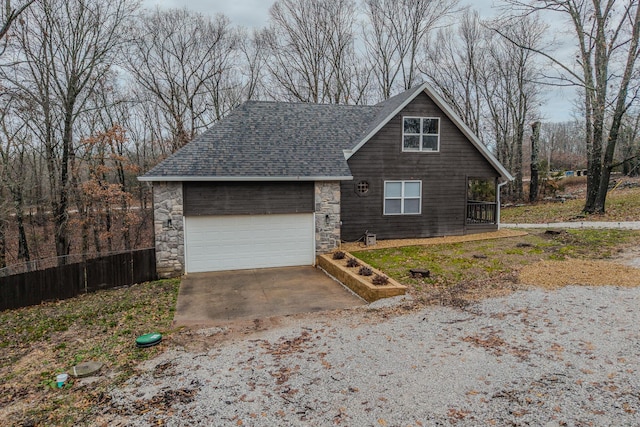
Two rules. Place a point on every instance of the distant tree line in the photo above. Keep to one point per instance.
(95, 92)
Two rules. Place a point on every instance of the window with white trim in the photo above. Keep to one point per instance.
(402, 197)
(421, 134)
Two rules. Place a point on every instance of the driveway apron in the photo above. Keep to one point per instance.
(224, 296)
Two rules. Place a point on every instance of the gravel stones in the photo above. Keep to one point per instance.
(538, 357)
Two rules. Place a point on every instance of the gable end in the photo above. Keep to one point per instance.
(457, 121)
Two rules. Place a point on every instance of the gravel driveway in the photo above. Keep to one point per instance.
(539, 358)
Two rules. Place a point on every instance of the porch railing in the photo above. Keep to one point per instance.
(481, 212)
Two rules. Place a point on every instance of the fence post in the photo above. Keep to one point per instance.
(131, 270)
(84, 276)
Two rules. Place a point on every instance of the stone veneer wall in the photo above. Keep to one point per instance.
(327, 199)
(169, 228)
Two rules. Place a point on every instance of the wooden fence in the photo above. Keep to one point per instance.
(70, 280)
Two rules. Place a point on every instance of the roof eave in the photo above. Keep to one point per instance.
(444, 106)
(146, 178)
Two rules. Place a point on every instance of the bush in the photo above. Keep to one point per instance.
(338, 255)
(379, 280)
(352, 262)
(365, 271)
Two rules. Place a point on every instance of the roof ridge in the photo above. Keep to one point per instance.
(260, 101)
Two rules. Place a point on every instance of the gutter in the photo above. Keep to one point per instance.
(500, 185)
(242, 178)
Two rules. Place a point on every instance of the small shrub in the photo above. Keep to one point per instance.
(352, 262)
(338, 255)
(365, 271)
(380, 280)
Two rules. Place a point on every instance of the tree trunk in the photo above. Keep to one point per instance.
(517, 167)
(96, 229)
(594, 158)
(614, 133)
(63, 243)
(533, 184)
(3, 241)
(23, 247)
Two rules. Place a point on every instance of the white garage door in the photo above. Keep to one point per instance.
(236, 242)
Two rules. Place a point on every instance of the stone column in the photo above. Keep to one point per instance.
(168, 224)
(327, 199)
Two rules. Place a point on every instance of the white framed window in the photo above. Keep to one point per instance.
(421, 134)
(402, 197)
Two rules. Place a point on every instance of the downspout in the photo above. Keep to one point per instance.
(500, 185)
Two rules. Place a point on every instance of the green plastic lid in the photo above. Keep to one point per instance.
(147, 340)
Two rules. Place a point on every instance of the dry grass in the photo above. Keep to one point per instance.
(623, 204)
(555, 274)
(38, 342)
(468, 271)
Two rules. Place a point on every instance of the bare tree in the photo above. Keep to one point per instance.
(607, 34)
(517, 73)
(454, 63)
(13, 173)
(394, 36)
(186, 64)
(254, 53)
(8, 15)
(311, 51)
(62, 50)
(489, 82)
(535, 161)
(630, 145)
(562, 145)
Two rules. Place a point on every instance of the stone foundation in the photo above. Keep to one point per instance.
(327, 206)
(169, 228)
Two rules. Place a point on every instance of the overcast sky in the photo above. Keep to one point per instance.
(254, 13)
(558, 103)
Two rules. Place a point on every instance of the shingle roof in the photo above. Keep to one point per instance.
(272, 140)
(387, 108)
(263, 140)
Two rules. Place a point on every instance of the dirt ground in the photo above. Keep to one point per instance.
(383, 244)
(554, 274)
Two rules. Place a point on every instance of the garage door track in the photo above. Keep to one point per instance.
(223, 296)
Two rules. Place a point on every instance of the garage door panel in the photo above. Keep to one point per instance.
(216, 243)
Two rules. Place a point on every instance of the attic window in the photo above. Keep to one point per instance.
(362, 188)
(421, 134)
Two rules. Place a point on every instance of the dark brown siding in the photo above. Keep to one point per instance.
(443, 175)
(247, 198)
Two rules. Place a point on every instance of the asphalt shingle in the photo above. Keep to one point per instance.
(287, 141)
(273, 140)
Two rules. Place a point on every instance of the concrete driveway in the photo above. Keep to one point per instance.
(223, 296)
